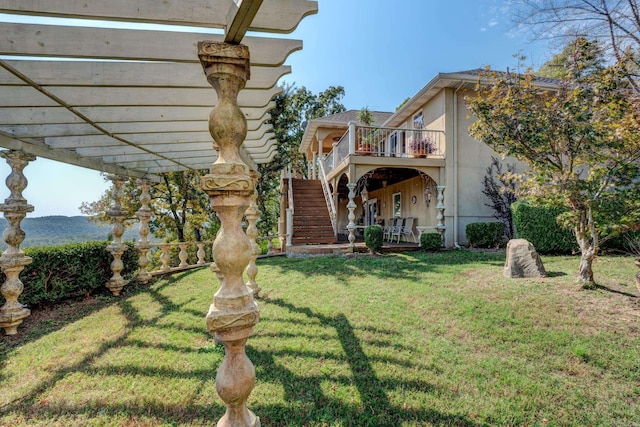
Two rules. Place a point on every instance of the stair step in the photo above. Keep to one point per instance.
(311, 221)
(295, 241)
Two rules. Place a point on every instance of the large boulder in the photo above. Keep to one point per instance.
(523, 260)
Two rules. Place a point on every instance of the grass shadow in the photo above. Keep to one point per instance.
(376, 409)
(404, 265)
(614, 291)
(556, 273)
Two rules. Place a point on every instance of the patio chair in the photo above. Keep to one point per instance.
(407, 230)
(386, 229)
(393, 226)
(397, 229)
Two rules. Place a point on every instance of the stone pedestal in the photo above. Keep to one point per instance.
(252, 214)
(351, 226)
(440, 209)
(143, 245)
(117, 247)
(234, 313)
(13, 260)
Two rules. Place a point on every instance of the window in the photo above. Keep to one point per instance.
(418, 121)
(397, 205)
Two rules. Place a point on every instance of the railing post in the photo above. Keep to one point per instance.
(352, 138)
(289, 226)
(351, 206)
(144, 215)
(164, 256)
(117, 247)
(234, 313)
(201, 253)
(183, 256)
(13, 260)
(314, 166)
(440, 208)
(252, 214)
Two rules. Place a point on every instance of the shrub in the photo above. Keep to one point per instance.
(538, 225)
(61, 272)
(430, 242)
(373, 237)
(485, 234)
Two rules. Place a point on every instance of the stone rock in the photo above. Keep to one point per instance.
(523, 260)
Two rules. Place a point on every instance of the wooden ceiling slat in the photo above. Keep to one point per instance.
(143, 74)
(278, 16)
(160, 113)
(26, 96)
(133, 45)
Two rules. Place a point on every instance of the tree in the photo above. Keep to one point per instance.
(501, 193)
(614, 23)
(578, 55)
(181, 209)
(295, 106)
(581, 142)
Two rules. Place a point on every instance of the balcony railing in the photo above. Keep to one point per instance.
(386, 142)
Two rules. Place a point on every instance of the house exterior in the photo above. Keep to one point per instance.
(419, 162)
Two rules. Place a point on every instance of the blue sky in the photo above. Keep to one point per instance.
(381, 51)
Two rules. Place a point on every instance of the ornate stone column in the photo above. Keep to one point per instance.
(201, 254)
(117, 247)
(234, 313)
(351, 206)
(13, 260)
(165, 257)
(183, 255)
(252, 214)
(143, 245)
(440, 208)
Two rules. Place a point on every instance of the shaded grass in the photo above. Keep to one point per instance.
(402, 340)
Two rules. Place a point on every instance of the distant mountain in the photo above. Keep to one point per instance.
(58, 230)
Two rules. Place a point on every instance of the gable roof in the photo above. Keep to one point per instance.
(459, 79)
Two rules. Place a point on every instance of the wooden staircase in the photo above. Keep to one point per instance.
(311, 220)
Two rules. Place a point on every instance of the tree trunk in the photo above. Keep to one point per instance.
(585, 272)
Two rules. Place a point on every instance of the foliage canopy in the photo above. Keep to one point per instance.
(581, 142)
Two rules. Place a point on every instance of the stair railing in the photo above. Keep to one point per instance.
(290, 208)
(327, 195)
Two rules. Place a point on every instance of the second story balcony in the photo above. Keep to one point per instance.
(392, 143)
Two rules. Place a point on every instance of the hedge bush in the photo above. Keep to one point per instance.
(485, 234)
(538, 225)
(430, 242)
(373, 235)
(62, 272)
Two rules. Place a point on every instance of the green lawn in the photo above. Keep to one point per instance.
(401, 340)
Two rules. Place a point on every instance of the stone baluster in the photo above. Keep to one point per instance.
(183, 256)
(252, 214)
(143, 245)
(164, 256)
(117, 247)
(351, 206)
(201, 254)
(440, 208)
(234, 313)
(269, 247)
(13, 260)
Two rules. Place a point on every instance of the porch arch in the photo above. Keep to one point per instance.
(399, 192)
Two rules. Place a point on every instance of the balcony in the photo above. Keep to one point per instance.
(385, 142)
